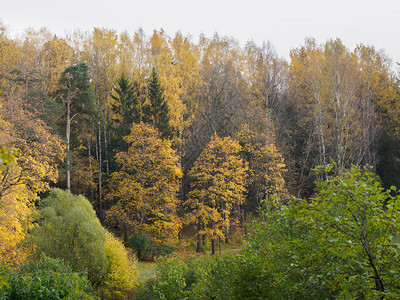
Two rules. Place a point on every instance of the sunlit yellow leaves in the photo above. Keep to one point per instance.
(35, 166)
(219, 178)
(145, 190)
(55, 56)
(122, 274)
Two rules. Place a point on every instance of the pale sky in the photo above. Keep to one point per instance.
(285, 23)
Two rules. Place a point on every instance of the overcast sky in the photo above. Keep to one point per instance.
(285, 23)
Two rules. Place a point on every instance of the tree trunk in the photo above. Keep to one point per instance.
(125, 232)
(226, 234)
(226, 229)
(243, 223)
(106, 148)
(213, 238)
(68, 133)
(91, 171)
(99, 163)
(199, 241)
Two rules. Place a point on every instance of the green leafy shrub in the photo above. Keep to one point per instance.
(171, 283)
(146, 249)
(69, 229)
(357, 223)
(175, 280)
(5, 279)
(145, 290)
(47, 279)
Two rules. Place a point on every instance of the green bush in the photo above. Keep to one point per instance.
(5, 279)
(171, 283)
(146, 249)
(68, 229)
(47, 279)
(145, 290)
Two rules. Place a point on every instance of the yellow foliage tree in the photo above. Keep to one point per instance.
(266, 166)
(21, 181)
(37, 151)
(55, 56)
(218, 188)
(122, 273)
(11, 230)
(144, 191)
(170, 78)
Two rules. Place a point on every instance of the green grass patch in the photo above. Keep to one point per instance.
(147, 270)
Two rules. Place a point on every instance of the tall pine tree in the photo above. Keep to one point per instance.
(78, 97)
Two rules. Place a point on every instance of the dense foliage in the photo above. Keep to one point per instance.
(121, 275)
(145, 190)
(341, 245)
(68, 229)
(172, 142)
(219, 177)
(46, 279)
(146, 249)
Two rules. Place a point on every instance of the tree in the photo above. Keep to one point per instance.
(125, 108)
(78, 97)
(36, 155)
(34, 98)
(219, 93)
(335, 115)
(356, 221)
(177, 65)
(382, 92)
(55, 55)
(144, 191)
(125, 104)
(266, 167)
(158, 109)
(218, 187)
(68, 229)
(101, 54)
(12, 212)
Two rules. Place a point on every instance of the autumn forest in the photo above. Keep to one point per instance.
(279, 176)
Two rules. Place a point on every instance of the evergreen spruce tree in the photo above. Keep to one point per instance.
(157, 112)
(125, 109)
